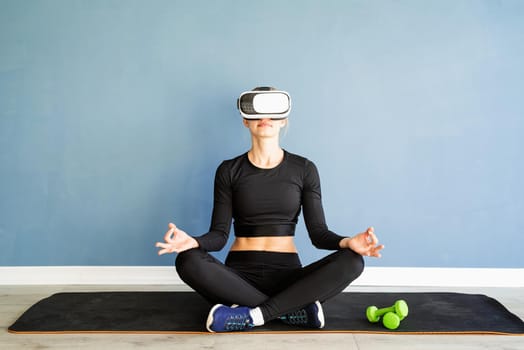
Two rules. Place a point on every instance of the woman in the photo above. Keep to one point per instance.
(264, 191)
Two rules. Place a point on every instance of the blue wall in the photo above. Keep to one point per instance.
(115, 114)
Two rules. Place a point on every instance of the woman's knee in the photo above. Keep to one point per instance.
(351, 264)
(188, 261)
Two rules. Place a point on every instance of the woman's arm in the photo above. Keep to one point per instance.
(314, 218)
(178, 241)
(365, 243)
(216, 238)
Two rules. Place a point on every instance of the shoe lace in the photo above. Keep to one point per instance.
(237, 322)
(297, 317)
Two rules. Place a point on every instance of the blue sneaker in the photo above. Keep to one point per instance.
(311, 316)
(223, 318)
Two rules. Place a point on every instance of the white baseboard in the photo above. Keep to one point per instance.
(441, 277)
(166, 275)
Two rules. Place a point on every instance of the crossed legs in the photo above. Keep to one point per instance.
(276, 289)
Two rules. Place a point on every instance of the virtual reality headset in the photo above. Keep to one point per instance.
(259, 104)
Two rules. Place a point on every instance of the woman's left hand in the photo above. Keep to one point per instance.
(364, 243)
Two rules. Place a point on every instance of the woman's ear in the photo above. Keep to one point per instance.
(244, 121)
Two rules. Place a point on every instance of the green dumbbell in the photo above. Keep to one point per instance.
(391, 320)
(392, 315)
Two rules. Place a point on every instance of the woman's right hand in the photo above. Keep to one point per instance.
(176, 241)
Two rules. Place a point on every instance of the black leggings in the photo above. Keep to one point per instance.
(275, 282)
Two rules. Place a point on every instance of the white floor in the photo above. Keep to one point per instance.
(16, 299)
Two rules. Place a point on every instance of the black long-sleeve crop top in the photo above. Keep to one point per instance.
(267, 202)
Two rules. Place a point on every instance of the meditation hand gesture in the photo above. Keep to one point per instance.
(364, 243)
(176, 240)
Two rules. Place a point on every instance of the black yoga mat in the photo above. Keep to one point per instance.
(186, 312)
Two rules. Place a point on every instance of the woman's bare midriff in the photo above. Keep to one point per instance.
(283, 244)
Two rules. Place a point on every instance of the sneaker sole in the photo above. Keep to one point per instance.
(210, 318)
(320, 314)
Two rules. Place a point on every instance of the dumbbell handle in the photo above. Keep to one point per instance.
(400, 308)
